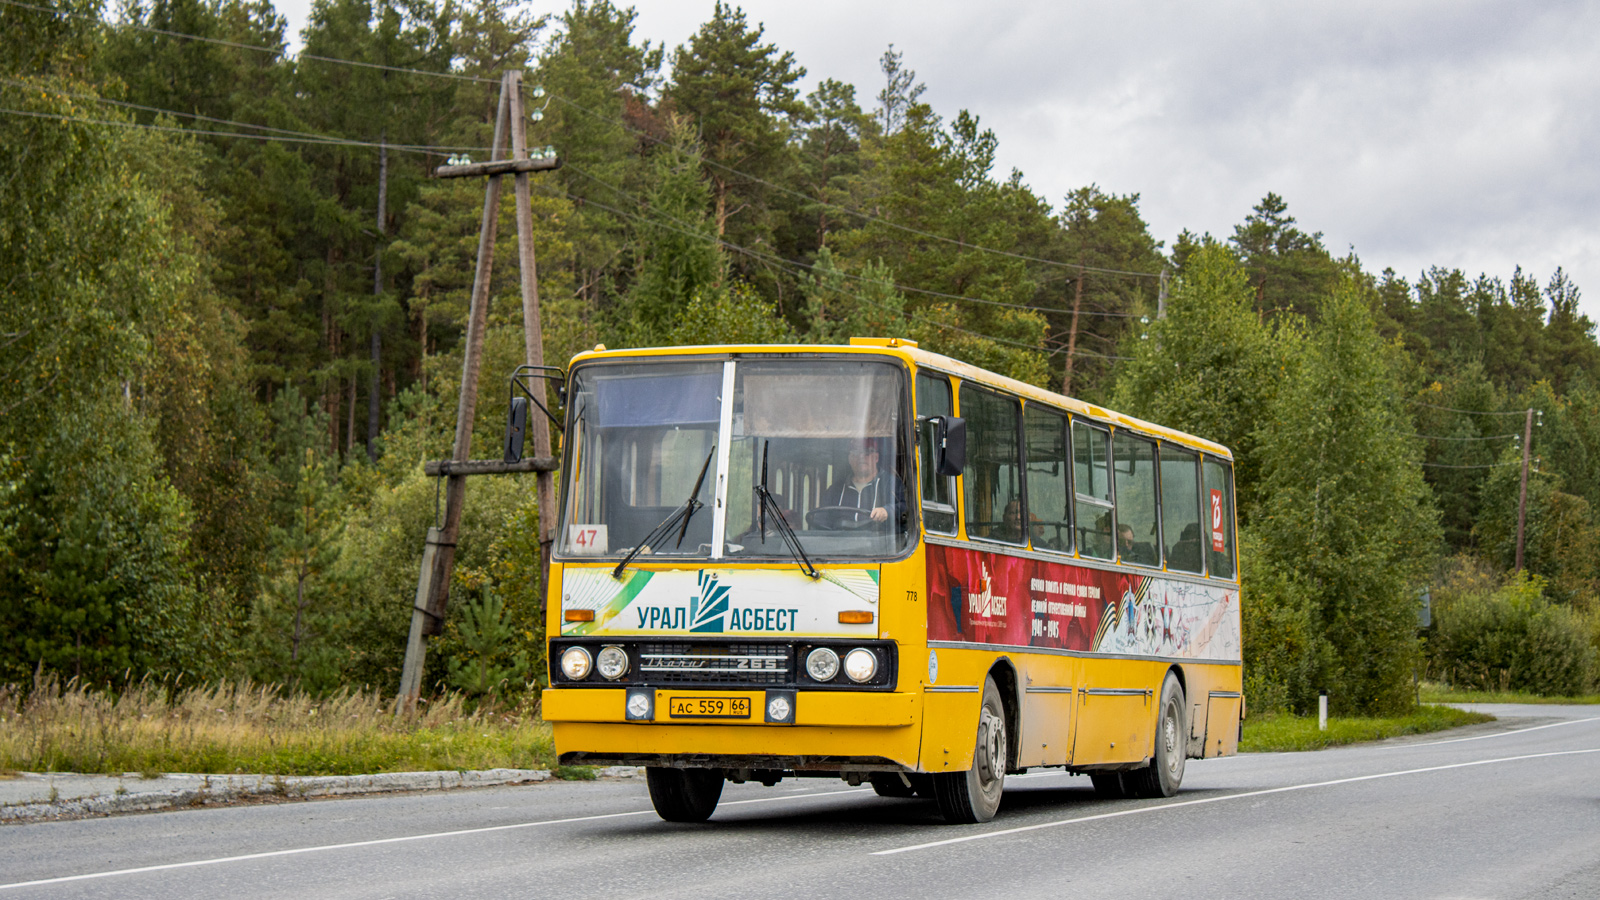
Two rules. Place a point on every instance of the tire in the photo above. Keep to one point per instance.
(973, 796)
(684, 795)
(888, 784)
(1164, 774)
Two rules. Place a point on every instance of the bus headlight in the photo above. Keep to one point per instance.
(861, 664)
(612, 662)
(822, 664)
(575, 663)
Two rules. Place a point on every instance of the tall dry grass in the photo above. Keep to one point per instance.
(151, 728)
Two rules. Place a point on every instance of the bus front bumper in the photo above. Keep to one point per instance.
(833, 709)
(827, 731)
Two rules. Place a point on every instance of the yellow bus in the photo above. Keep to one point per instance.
(877, 563)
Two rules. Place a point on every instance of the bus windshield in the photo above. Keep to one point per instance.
(812, 447)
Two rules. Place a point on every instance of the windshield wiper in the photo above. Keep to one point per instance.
(781, 525)
(682, 515)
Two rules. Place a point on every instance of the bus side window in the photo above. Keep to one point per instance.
(1137, 539)
(1180, 508)
(1091, 485)
(1049, 518)
(938, 493)
(992, 479)
(1219, 520)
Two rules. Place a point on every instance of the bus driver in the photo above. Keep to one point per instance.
(878, 494)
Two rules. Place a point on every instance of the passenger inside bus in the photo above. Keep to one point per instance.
(878, 494)
(1010, 529)
(1096, 541)
(1140, 552)
(1184, 555)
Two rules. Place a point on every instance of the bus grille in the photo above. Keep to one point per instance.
(714, 663)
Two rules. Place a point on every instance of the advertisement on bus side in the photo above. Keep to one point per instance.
(994, 598)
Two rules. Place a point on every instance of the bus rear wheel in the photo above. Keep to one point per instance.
(1164, 774)
(684, 795)
(973, 796)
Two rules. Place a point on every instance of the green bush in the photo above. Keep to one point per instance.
(1513, 639)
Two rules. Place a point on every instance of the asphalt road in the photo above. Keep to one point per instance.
(1508, 810)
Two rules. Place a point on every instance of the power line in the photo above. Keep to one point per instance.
(279, 138)
(854, 212)
(1515, 462)
(325, 138)
(1436, 437)
(255, 47)
(1470, 412)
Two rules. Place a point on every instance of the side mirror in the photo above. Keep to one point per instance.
(951, 445)
(516, 428)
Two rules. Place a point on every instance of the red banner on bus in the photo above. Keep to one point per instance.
(996, 598)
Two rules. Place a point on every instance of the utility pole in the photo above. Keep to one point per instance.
(1161, 294)
(532, 328)
(1072, 333)
(377, 298)
(1522, 495)
(438, 560)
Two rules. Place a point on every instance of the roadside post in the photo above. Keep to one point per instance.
(1322, 711)
(439, 554)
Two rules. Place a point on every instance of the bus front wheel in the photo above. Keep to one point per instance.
(974, 795)
(1165, 771)
(684, 795)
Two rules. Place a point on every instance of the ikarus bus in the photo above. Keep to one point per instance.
(880, 564)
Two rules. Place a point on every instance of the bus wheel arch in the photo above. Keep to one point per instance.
(1005, 678)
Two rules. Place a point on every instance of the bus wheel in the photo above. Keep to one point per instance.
(974, 795)
(684, 795)
(1165, 771)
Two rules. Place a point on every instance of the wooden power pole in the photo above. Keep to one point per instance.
(1072, 334)
(439, 552)
(1522, 495)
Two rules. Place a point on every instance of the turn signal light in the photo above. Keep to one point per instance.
(855, 617)
(579, 615)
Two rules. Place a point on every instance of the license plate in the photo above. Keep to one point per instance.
(708, 707)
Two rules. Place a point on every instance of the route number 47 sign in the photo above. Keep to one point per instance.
(588, 540)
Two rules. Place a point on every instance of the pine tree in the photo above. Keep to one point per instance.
(739, 95)
(676, 249)
(1289, 268)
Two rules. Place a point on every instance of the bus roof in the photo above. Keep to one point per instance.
(918, 358)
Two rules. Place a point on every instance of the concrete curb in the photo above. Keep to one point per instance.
(222, 789)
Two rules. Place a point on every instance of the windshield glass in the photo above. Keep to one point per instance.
(830, 432)
(640, 437)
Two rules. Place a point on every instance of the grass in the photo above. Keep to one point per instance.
(1277, 733)
(249, 728)
(1439, 693)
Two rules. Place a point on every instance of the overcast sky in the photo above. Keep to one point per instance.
(1448, 133)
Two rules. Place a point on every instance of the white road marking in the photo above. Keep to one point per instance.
(1482, 737)
(394, 840)
(1166, 806)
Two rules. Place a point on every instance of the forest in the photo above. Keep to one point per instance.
(232, 305)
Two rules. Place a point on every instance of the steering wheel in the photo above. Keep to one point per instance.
(833, 518)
